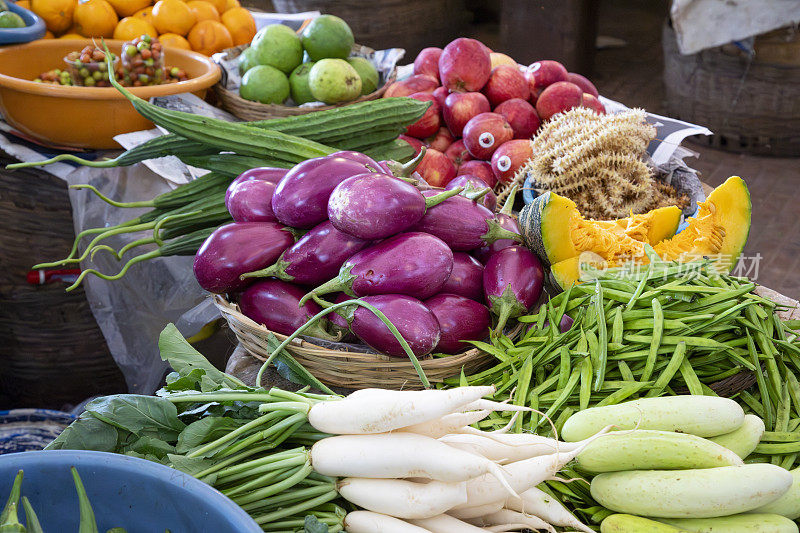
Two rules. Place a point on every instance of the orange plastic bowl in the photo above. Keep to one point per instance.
(83, 117)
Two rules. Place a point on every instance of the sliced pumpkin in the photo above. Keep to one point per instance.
(568, 272)
(719, 230)
(554, 228)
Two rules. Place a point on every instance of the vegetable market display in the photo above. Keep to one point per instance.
(650, 390)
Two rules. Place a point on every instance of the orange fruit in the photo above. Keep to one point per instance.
(95, 18)
(57, 14)
(126, 8)
(26, 4)
(240, 23)
(48, 34)
(209, 37)
(219, 4)
(130, 28)
(173, 40)
(203, 10)
(146, 14)
(230, 4)
(173, 16)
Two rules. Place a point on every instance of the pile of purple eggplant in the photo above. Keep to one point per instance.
(436, 263)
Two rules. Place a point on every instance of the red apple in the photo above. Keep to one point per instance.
(501, 59)
(557, 98)
(436, 168)
(459, 108)
(482, 169)
(419, 83)
(430, 122)
(427, 62)
(505, 82)
(465, 65)
(507, 159)
(583, 82)
(522, 117)
(416, 144)
(458, 153)
(544, 73)
(441, 95)
(593, 102)
(484, 134)
(441, 140)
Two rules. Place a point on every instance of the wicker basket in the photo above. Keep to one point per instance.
(750, 105)
(249, 110)
(352, 370)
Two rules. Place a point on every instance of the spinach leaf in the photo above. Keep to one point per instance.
(150, 446)
(205, 430)
(190, 465)
(142, 415)
(86, 433)
(183, 358)
(312, 525)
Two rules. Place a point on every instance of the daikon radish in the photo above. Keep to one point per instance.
(740, 523)
(451, 423)
(538, 503)
(495, 406)
(743, 441)
(403, 499)
(699, 493)
(398, 455)
(369, 522)
(522, 475)
(497, 451)
(515, 518)
(653, 450)
(379, 413)
(476, 511)
(787, 505)
(704, 416)
(446, 524)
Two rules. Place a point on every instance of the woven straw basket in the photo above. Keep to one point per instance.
(352, 370)
(249, 110)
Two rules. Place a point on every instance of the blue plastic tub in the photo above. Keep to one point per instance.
(139, 495)
(34, 27)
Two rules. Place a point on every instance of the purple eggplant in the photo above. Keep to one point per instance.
(338, 322)
(359, 157)
(270, 174)
(411, 317)
(506, 221)
(251, 201)
(460, 319)
(237, 248)
(512, 282)
(564, 325)
(462, 223)
(414, 264)
(376, 206)
(473, 184)
(301, 197)
(466, 279)
(275, 304)
(315, 258)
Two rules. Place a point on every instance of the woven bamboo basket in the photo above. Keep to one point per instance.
(351, 369)
(249, 110)
(749, 104)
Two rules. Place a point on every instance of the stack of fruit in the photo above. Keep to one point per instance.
(205, 26)
(485, 109)
(315, 66)
(9, 19)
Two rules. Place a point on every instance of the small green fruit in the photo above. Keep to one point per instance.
(367, 73)
(11, 20)
(333, 81)
(328, 36)
(278, 46)
(264, 84)
(298, 84)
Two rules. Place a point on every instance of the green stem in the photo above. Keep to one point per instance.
(276, 488)
(107, 248)
(106, 163)
(147, 203)
(431, 201)
(297, 419)
(233, 434)
(254, 463)
(295, 509)
(297, 495)
(502, 317)
(509, 205)
(297, 459)
(382, 317)
(496, 232)
(118, 275)
(169, 218)
(216, 467)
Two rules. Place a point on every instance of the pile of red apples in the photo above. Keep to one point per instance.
(484, 109)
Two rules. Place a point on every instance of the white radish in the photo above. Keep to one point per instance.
(506, 453)
(704, 416)
(476, 511)
(398, 455)
(446, 524)
(514, 518)
(369, 522)
(524, 439)
(379, 413)
(537, 502)
(403, 499)
(495, 406)
(522, 475)
(451, 423)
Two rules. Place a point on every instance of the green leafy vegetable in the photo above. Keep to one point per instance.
(141, 415)
(183, 358)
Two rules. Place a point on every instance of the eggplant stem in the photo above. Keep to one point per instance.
(377, 312)
(509, 204)
(407, 169)
(436, 199)
(106, 199)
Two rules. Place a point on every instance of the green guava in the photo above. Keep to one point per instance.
(367, 73)
(328, 36)
(265, 84)
(298, 84)
(333, 81)
(278, 46)
(11, 20)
